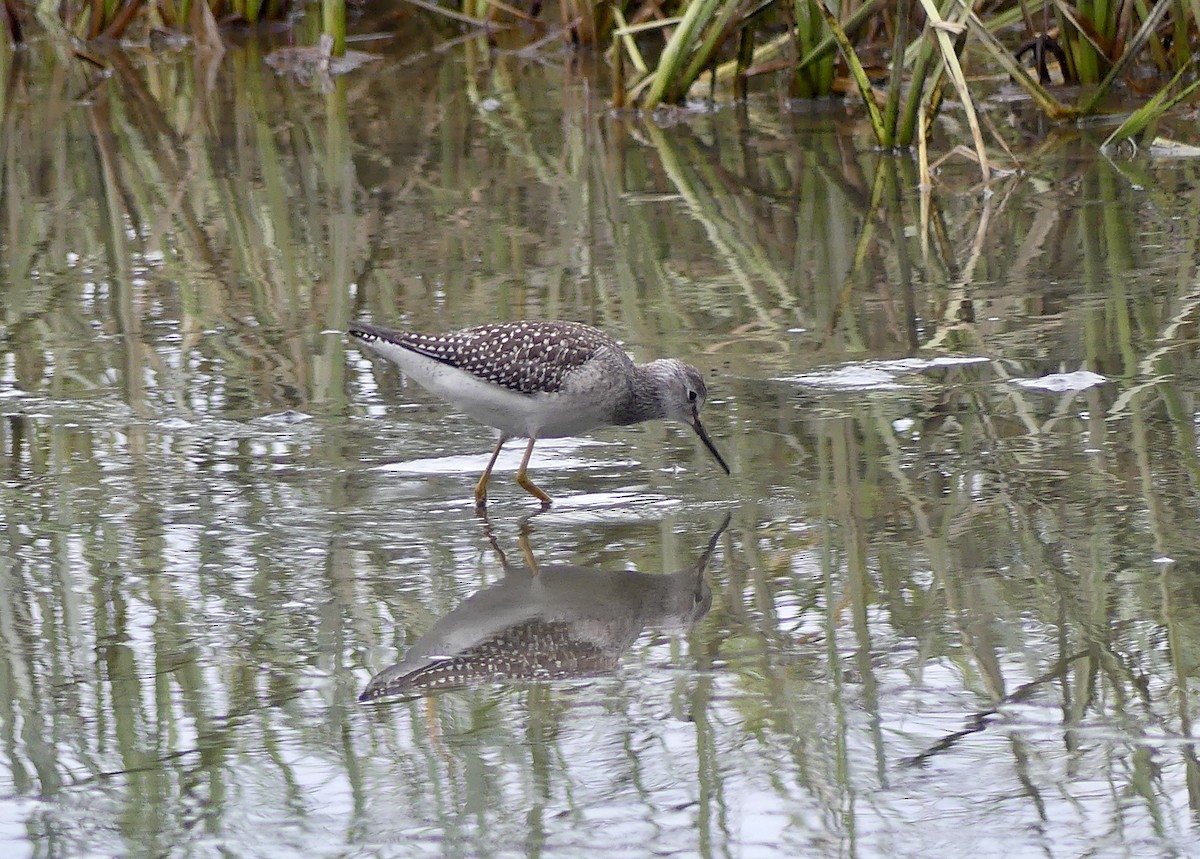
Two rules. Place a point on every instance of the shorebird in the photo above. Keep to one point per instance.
(538, 380)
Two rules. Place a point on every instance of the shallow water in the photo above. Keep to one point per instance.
(954, 612)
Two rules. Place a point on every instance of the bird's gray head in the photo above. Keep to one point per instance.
(681, 390)
(682, 395)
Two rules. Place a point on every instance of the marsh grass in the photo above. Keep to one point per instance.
(820, 48)
(827, 47)
(904, 61)
(117, 19)
(138, 20)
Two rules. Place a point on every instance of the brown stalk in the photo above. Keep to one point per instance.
(96, 24)
(1087, 29)
(618, 85)
(13, 22)
(116, 29)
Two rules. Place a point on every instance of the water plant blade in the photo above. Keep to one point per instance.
(1131, 51)
(670, 65)
(624, 33)
(884, 136)
(941, 30)
(717, 32)
(1137, 121)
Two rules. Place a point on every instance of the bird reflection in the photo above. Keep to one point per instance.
(546, 622)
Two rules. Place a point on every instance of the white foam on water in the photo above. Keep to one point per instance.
(1059, 383)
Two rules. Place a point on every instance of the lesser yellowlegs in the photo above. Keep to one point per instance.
(542, 380)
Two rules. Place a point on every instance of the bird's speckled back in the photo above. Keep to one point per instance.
(528, 357)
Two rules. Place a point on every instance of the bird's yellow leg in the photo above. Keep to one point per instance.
(481, 486)
(523, 477)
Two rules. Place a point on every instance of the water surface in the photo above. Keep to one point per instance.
(954, 612)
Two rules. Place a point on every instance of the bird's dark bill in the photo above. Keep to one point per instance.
(712, 448)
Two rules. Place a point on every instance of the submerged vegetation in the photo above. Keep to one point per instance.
(903, 60)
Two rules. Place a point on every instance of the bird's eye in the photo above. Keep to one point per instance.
(691, 396)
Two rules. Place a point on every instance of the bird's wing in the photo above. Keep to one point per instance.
(528, 357)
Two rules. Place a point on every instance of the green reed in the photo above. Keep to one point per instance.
(812, 48)
(711, 43)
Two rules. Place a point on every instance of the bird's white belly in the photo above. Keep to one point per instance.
(511, 412)
(517, 414)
